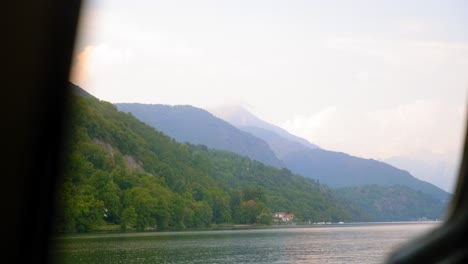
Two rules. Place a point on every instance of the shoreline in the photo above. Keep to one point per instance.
(213, 230)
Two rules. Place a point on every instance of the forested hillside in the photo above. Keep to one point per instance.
(123, 172)
(338, 169)
(391, 203)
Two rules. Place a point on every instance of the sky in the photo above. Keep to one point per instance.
(386, 80)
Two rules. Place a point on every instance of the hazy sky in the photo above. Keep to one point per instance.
(376, 79)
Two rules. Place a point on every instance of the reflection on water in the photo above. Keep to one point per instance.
(348, 243)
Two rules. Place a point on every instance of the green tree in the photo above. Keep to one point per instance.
(129, 218)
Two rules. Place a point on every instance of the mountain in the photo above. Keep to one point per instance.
(119, 171)
(240, 117)
(190, 124)
(338, 169)
(281, 146)
(335, 169)
(391, 203)
(438, 171)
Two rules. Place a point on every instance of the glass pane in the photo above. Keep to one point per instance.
(262, 131)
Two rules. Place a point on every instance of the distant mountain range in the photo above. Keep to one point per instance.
(335, 169)
(190, 124)
(437, 171)
(259, 140)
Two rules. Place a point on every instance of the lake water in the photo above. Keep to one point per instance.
(345, 243)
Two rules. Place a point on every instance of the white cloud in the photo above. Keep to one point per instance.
(415, 26)
(399, 131)
(403, 53)
(313, 122)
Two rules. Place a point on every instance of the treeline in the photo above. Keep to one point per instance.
(120, 171)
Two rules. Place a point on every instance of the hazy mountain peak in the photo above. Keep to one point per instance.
(241, 117)
(236, 115)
